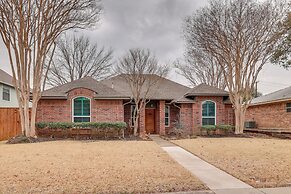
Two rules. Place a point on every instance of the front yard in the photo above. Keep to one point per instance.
(259, 162)
(91, 167)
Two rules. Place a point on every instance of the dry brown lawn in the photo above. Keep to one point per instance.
(259, 162)
(91, 167)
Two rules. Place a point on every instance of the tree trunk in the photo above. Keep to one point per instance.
(240, 112)
(135, 124)
(33, 118)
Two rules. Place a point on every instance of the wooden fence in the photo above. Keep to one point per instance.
(9, 123)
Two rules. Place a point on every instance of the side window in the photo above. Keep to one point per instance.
(81, 109)
(167, 116)
(288, 107)
(208, 113)
(6, 93)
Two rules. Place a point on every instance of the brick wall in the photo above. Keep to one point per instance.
(270, 116)
(191, 114)
(174, 117)
(186, 117)
(61, 110)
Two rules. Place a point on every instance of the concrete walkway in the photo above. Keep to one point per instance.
(216, 180)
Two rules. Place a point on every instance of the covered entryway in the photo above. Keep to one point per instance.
(150, 121)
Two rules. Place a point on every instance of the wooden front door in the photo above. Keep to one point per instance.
(150, 121)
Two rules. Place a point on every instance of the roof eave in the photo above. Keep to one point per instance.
(54, 98)
(270, 102)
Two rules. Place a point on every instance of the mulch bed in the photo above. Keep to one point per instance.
(23, 139)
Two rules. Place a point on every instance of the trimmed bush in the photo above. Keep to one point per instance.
(216, 129)
(89, 130)
(208, 127)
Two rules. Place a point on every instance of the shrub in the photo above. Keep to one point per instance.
(90, 130)
(225, 127)
(208, 127)
(89, 125)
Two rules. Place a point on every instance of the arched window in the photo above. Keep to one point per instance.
(81, 109)
(208, 113)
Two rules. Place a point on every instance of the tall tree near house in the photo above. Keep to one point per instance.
(282, 54)
(29, 29)
(198, 67)
(75, 58)
(240, 35)
(142, 72)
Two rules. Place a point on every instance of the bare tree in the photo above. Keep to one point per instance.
(142, 72)
(282, 54)
(197, 67)
(240, 35)
(75, 58)
(29, 29)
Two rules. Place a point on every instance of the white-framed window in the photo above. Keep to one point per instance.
(288, 107)
(81, 109)
(167, 115)
(208, 113)
(132, 116)
(6, 93)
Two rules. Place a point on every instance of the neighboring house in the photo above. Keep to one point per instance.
(171, 105)
(271, 111)
(8, 96)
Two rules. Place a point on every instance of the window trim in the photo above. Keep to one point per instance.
(208, 116)
(73, 116)
(169, 115)
(9, 93)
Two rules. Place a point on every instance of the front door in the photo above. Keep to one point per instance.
(150, 121)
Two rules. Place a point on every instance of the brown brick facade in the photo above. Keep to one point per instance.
(188, 115)
(61, 110)
(270, 116)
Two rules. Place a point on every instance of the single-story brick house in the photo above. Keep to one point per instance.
(271, 111)
(171, 105)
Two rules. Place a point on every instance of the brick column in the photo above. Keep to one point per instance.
(142, 131)
(186, 117)
(162, 130)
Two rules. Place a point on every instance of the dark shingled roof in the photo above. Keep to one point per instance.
(206, 90)
(101, 90)
(117, 87)
(280, 95)
(165, 89)
(5, 78)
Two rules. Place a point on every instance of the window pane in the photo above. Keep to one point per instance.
(208, 121)
(204, 109)
(211, 109)
(288, 109)
(81, 119)
(167, 121)
(86, 107)
(208, 109)
(6, 94)
(288, 105)
(78, 107)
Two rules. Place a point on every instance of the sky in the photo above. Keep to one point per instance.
(156, 25)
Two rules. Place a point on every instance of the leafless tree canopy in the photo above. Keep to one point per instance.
(197, 68)
(282, 54)
(75, 58)
(240, 35)
(142, 72)
(29, 29)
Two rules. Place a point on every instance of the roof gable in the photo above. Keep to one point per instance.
(206, 90)
(100, 89)
(165, 89)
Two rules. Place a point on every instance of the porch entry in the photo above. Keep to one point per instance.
(150, 120)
